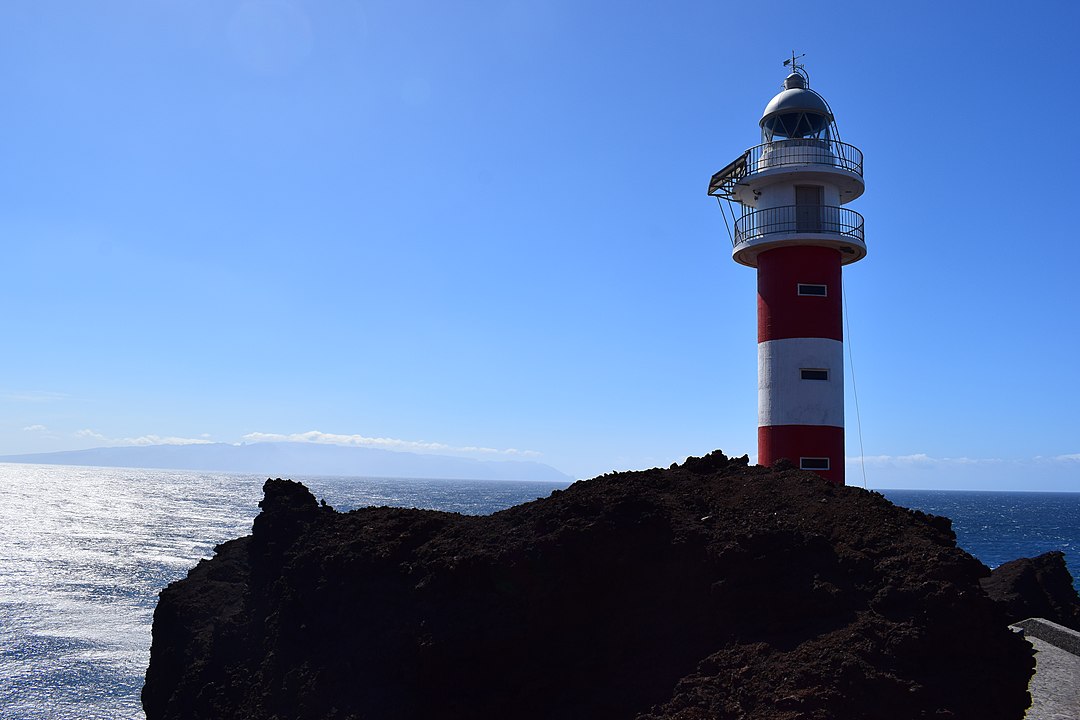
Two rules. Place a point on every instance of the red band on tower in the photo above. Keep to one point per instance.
(782, 311)
(796, 442)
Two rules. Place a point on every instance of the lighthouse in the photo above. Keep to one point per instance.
(791, 225)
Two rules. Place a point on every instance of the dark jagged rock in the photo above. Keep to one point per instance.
(708, 590)
(1036, 587)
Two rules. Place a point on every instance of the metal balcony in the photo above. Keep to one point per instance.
(831, 154)
(816, 220)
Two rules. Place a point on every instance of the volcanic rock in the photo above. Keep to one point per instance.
(707, 590)
(1036, 587)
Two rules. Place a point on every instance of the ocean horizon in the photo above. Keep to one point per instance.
(84, 552)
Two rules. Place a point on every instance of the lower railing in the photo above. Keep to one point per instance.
(799, 219)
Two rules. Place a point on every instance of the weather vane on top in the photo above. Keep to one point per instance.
(795, 65)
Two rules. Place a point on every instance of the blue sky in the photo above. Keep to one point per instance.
(481, 228)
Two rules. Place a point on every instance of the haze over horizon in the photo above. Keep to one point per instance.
(483, 231)
(297, 460)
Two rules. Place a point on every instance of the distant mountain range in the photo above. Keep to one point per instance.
(285, 459)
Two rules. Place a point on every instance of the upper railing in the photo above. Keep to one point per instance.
(799, 219)
(783, 153)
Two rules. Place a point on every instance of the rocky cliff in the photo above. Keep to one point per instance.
(707, 590)
(1039, 587)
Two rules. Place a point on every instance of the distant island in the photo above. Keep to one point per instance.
(298, 459)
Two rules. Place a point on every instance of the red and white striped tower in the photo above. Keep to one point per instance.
(792, 227)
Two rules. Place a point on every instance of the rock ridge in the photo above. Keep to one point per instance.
(710, 589)
(1038, 587)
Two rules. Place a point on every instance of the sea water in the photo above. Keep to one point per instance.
(1000, 526)
(85, 551)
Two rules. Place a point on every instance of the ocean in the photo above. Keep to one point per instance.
(84, 552)
(1000, 526)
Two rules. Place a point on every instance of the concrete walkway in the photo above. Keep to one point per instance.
(1055, 687)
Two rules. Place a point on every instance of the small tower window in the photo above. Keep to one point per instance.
(814, 374)
(814, 463)
(815, 290)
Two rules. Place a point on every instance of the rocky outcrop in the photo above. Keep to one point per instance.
(707, 590)
(1036, 587)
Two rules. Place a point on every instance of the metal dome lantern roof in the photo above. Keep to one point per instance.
(796, 112)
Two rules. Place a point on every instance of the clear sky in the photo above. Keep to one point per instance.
(481, 228)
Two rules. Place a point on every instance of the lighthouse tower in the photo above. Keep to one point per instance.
(792, 226)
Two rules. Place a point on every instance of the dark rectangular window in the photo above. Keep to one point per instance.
(814, 463)
(814, 374)
(815, 290)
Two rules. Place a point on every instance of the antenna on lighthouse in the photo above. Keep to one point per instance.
(796, 66)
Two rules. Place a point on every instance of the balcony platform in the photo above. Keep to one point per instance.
(788, 225)
(833, 161)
